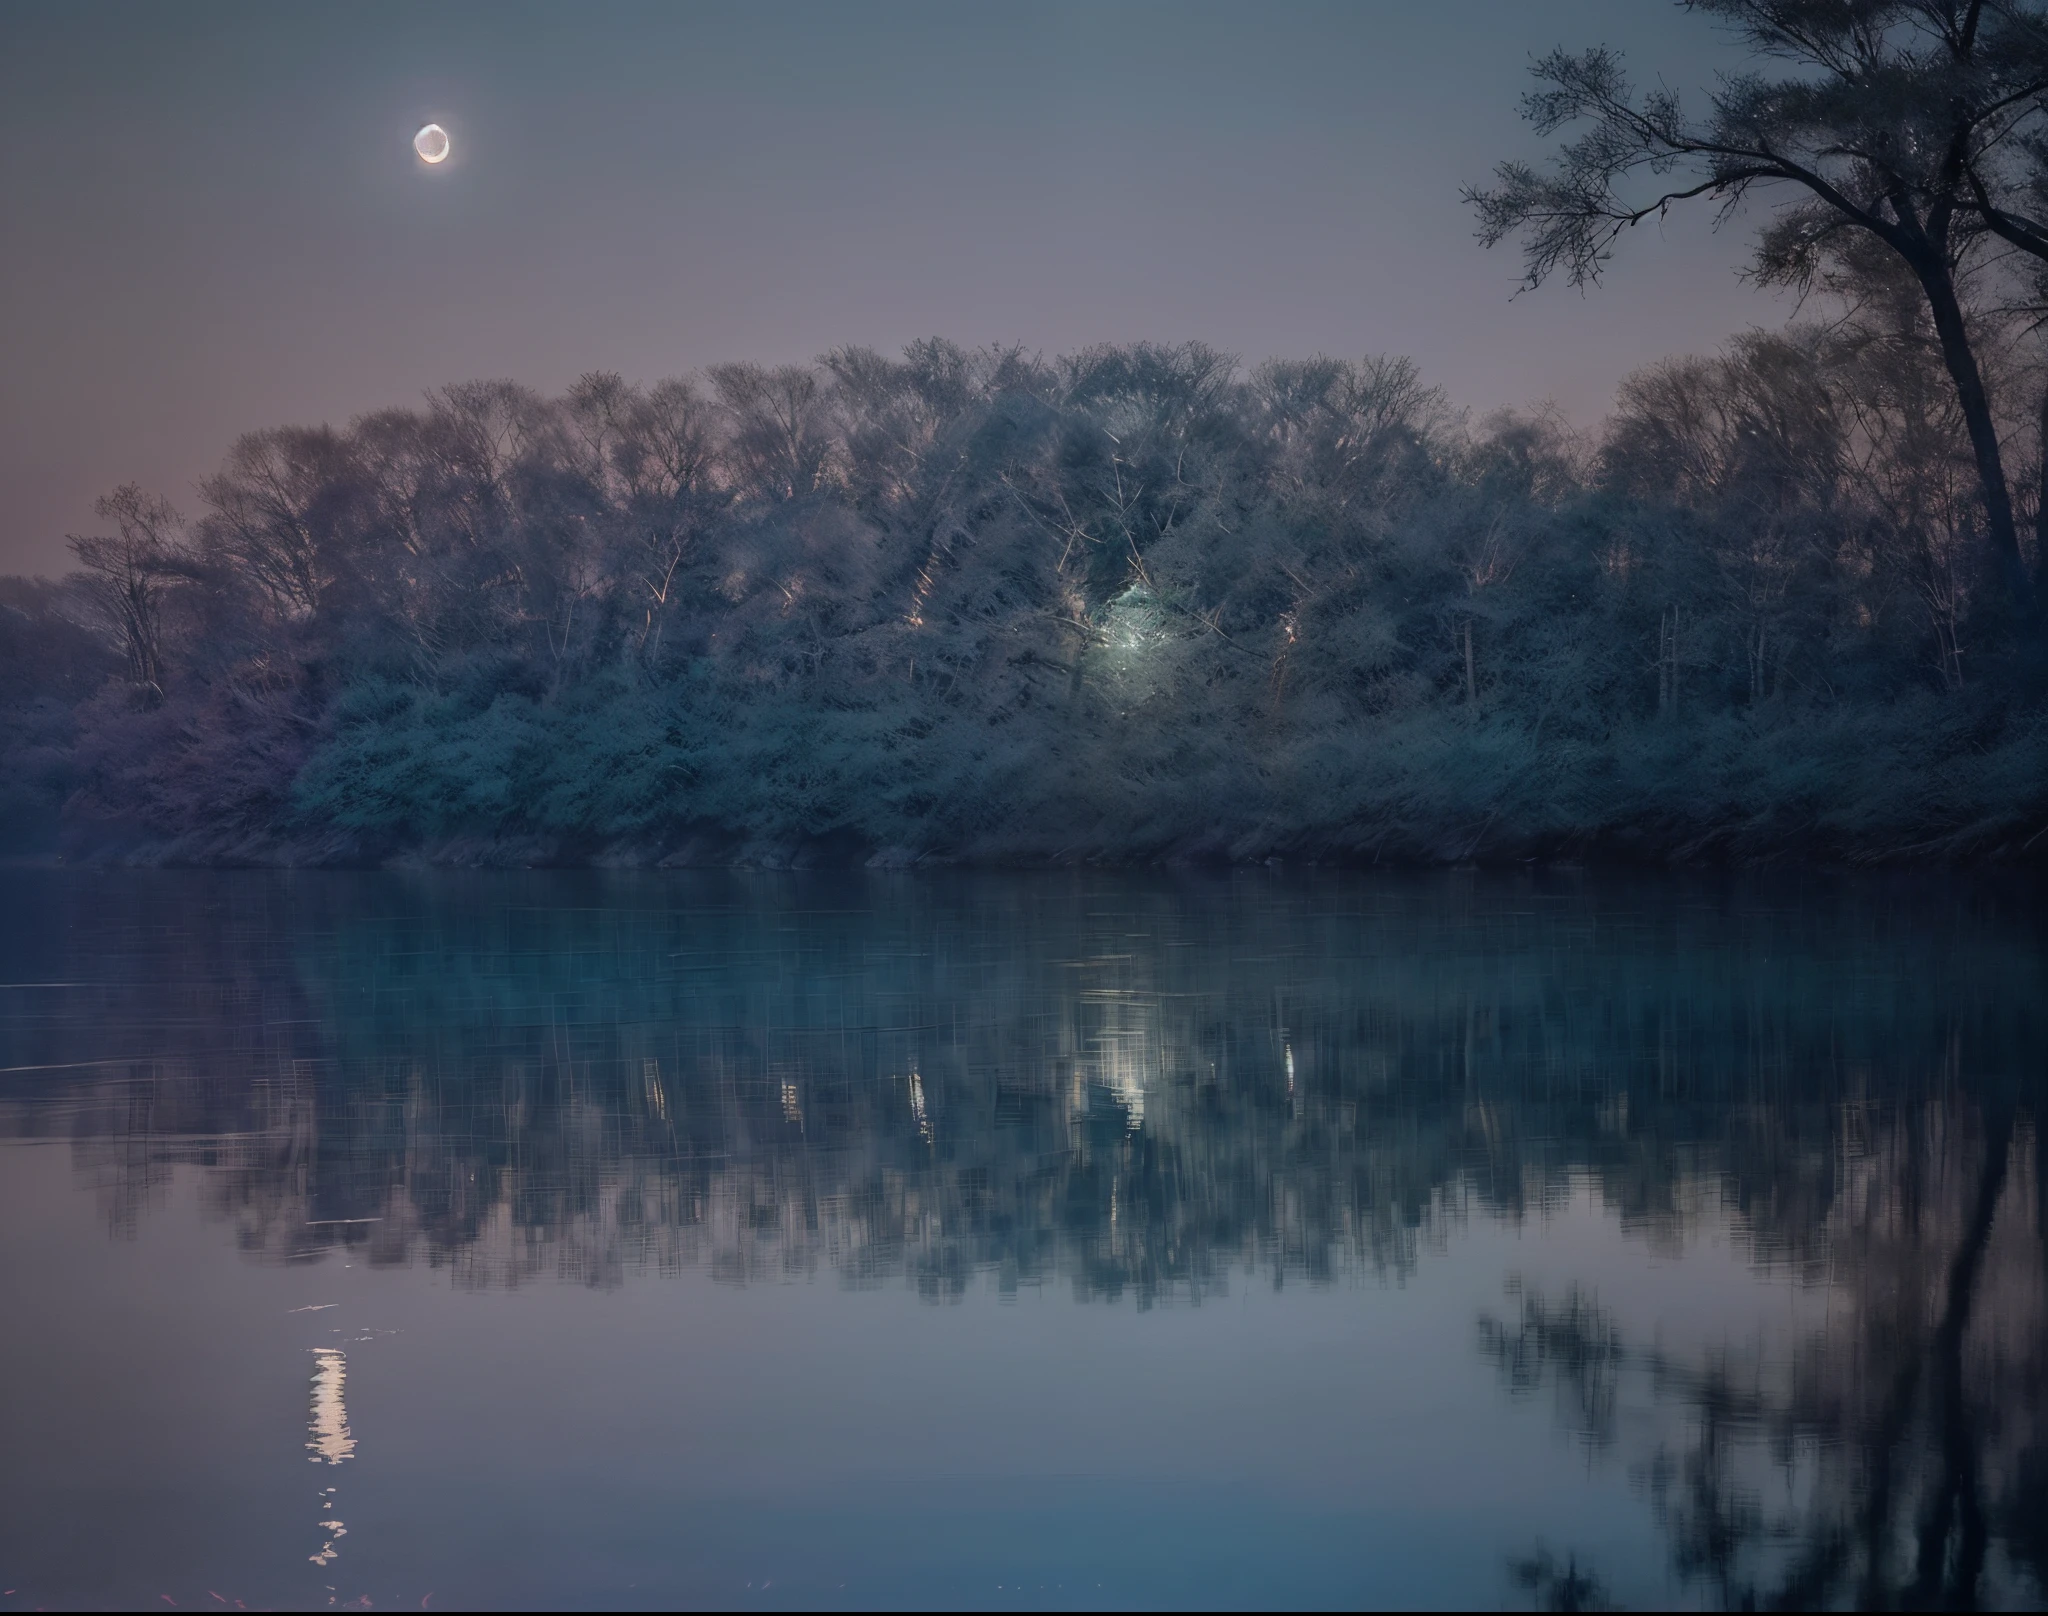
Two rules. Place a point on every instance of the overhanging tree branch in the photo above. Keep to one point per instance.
(1915, 105)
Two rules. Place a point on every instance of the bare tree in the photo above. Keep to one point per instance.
(598, 405)
(128, 573)
(781, 436)
(273, 502)
(666, 455)
(668, 444)
(482, 434)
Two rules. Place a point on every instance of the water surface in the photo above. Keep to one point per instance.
(637, 1241)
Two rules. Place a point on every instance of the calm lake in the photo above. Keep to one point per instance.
(640, 1240)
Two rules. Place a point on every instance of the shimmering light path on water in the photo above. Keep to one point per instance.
(1062, 1240)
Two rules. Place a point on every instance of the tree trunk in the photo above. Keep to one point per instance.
(2002, 530)
(1667, 663)
(2041, 504)
(1957, 1509)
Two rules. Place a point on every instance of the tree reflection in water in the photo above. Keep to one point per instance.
(1881, 1462)
(1144, 1087)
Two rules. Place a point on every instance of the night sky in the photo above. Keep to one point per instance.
(214, 220)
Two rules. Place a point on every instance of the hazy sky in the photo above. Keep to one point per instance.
(211, 218)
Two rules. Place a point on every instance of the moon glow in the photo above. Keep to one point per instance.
(431, 143)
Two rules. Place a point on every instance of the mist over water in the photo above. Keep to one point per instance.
(1083, 1239)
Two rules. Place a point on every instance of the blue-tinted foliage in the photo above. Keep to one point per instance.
(1133, 604)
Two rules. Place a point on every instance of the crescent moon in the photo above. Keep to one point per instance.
(431, 143)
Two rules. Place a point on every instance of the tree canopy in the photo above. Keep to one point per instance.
(1915, 124)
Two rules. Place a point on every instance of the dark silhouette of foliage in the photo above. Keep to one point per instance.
(1904, 124)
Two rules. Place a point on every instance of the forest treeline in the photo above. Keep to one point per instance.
(1136, 603)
